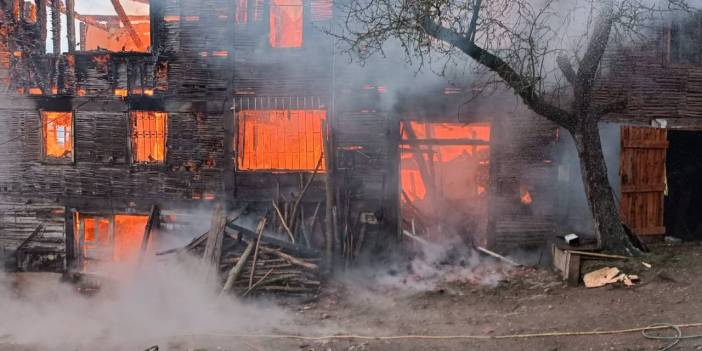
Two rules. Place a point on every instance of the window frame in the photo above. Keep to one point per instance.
(131, 141)
(240, 153)
(303, 7)
(43, 135)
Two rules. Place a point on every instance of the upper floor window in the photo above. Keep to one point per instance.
(686, 40)
(286, 23)
(280, 140)
(148, 136)
(57, 136)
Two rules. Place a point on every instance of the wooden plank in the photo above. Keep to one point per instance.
(643, 188)
(213, 246)
(639, 144)
(568, 263)
(643, 158)
(150, 223)
(651, 230)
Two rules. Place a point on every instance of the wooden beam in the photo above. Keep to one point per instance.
(414, 142)
(127, 24)
(213, 247)
(42, 24)
(56, 26)
(269, 241)
(71, 25)
(329, 237)
(150, 223)
(69, 226)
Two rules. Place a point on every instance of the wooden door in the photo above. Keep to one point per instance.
(643, 179)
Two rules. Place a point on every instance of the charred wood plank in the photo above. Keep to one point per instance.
(287, 247)
(213, 246)
(235, 272)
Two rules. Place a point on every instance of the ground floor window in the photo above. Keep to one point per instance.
(148, 136)
(57, 135)
(280, 140)
(103, 239)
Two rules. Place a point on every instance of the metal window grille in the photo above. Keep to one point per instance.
(148, 132)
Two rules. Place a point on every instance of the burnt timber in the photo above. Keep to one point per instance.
(204, 67)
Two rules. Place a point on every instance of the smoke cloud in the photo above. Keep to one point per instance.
(157, 305)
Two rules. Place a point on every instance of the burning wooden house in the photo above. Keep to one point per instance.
(217, 101)
(140, 121)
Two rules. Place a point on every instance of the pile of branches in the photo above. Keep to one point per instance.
(250, 263)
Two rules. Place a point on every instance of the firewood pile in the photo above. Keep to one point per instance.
(250, 263)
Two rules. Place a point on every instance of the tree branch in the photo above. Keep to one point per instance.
(567, 69)
(593, 56)
(473, 28)
(522, 86)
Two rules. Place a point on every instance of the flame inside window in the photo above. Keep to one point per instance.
(286, 22)
(280, 139)
(58, 134)
(109, 238)
(129, 233)
(148, 136)
(456, 169)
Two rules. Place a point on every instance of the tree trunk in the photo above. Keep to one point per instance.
(600, 197)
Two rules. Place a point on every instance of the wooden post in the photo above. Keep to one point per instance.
(56, 26)
(150, 223)
(71, 25)
(41, 24)
(213, 247)
(69, 226)
(330, 196)
(236, 270)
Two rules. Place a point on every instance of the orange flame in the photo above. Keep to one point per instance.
(121, 92)
(526, 198)
(445, 157)
(58, 134)
(148, 136)
(129, 233)
(280, 139)
(285, 24)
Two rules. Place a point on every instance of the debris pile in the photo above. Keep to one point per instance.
(251, 263)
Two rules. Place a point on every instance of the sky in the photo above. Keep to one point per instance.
(104, 7)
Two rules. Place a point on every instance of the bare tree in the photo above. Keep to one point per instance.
(530, 46)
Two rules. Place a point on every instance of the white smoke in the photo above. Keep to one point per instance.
(158, 304)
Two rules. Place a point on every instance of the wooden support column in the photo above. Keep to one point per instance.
(69, 225)
(56, 25)
(330, 198)
(152, 222)
(41, 24)
(71, 25)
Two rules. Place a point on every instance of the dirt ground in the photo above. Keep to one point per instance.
(529, 301)
(525, 300)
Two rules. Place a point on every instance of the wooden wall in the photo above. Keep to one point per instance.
(521, 156)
